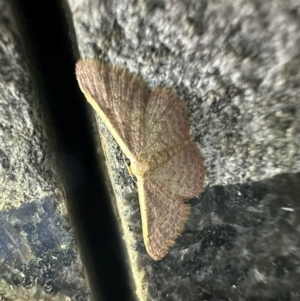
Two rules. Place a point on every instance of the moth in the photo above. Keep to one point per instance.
(152, 129)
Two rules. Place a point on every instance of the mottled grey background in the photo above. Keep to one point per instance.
(236, 64)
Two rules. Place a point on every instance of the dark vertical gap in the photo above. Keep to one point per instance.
(46, 37)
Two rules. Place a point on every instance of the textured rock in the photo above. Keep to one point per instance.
(236, 64)
(38, 257)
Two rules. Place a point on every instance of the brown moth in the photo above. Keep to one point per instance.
(152, 130)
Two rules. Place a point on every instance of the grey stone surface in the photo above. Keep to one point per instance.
(38, 256)
(236, 64)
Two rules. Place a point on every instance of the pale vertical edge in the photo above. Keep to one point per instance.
(143, 210)
(138, 274)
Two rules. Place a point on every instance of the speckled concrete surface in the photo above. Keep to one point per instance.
(236, 64)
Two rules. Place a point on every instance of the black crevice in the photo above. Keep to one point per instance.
(46, 31)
